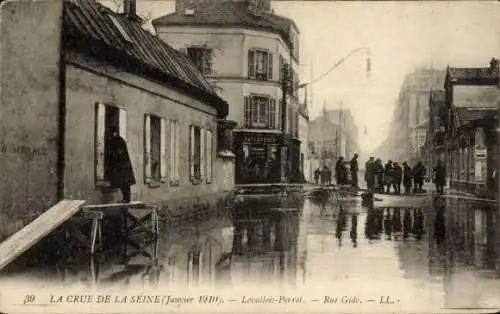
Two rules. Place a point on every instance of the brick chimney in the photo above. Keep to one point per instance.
(130, 8)
(182, 5)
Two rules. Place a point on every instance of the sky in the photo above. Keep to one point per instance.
(401, 36)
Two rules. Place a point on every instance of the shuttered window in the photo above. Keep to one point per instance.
(195, 152)
(260, 112)
(260, 64)
(174, 151)
(202, 58)
(155, 149)
(106, 116)
(209, 154)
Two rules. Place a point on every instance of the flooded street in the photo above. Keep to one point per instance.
(436, 256)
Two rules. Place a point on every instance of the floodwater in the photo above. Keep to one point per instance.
(441, 255)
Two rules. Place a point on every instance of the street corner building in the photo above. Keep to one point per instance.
(72, 69)
(470, 135)
(251, 56)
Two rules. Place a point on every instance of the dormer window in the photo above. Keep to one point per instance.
(120, 28)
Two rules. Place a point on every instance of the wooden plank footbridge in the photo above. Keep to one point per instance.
(85, 232)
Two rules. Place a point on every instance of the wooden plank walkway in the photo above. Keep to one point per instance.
(28, 236)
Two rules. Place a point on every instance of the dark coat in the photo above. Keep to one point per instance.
(369, 170)
(388, 174)
(340, 172)
(407, 175)
(398, 174)
(120, 171)
(440, 174)
(419, 172)
(354, 165)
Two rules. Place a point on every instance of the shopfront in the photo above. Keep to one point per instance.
(258, 157)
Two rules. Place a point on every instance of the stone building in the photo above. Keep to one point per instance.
(64, 85)
(243, 49)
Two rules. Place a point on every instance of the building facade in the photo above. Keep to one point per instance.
(471, 140)
(85, 80)
(250, 55)
(332, 135)
(410, 117)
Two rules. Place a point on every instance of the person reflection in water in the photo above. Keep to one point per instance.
(354, 230)
(120, 172)
(340, 227)
(440, 226)
(407, 223)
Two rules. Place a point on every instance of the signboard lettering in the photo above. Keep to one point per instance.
(260, 139)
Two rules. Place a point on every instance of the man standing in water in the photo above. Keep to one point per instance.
(119, 168)
(354, 171)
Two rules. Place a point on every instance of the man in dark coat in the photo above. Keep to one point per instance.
(440, 177)
(378, 172)
(340, 171)
(369, 173)
(120, 172)
(317, 173)
(354, 171)
(419, 173)
(407, 177)
(398, 176)
(388, 175)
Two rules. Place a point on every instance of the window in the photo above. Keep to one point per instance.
(194, 266)
(209, 154)
(107, 116)
(195, 152)
(155, 150)
(260, 65)
(174, 152)
(260, 112)
(202, 58)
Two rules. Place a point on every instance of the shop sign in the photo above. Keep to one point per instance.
(480, 153)
(261, 139)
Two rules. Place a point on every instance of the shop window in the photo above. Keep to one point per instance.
(155, 154)
(107, 117)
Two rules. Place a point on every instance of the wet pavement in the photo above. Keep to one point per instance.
(441, 254)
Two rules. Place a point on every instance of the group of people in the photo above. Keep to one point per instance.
(341, 173)
(392, 175)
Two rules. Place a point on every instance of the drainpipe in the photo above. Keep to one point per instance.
(61, 117)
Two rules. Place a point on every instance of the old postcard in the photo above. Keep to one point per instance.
(249, 156)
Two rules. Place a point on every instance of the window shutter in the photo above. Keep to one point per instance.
(191, 151)
(147, 148)
(177, 130)
(122, 124)
(172, 149)
(272, 113)
(209, 155)
(202, 153)
(251, 64)
(163, 150)
(282, 68)
(100, 140)
(270, 57)
(248, 112)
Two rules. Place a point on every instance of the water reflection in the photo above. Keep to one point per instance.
(445, 253)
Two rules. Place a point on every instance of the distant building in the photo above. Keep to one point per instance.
(249, 54)
(69, 82)
(334, 134)
(408, 127)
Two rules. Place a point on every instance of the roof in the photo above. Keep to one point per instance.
(89, 28)
(468, 115)
(471, 73)
(229, 14)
